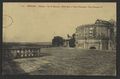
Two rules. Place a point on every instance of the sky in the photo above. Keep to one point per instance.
(40, 22)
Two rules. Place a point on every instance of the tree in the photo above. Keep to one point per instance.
(57, 41)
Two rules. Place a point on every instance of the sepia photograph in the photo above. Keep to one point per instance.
(59, 38)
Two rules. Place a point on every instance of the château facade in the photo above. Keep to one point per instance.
(101, 35)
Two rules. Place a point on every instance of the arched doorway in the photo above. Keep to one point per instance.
(92, 47)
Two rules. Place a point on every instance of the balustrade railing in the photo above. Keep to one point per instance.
(22, 52)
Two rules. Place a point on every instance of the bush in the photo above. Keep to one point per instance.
(57, 41)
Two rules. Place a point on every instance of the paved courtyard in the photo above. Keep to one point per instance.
(67, 61)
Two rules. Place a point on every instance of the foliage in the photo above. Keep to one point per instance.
(57, 41)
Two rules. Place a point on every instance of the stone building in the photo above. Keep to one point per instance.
(100, 35)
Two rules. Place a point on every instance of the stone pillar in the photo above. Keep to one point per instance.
(109, 45)
(101, 45)
(68, 44)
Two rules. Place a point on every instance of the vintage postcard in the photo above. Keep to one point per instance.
(59, 38)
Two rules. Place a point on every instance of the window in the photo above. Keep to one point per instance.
(91, 28)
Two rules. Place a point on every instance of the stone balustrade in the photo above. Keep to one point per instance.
(23, 52)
